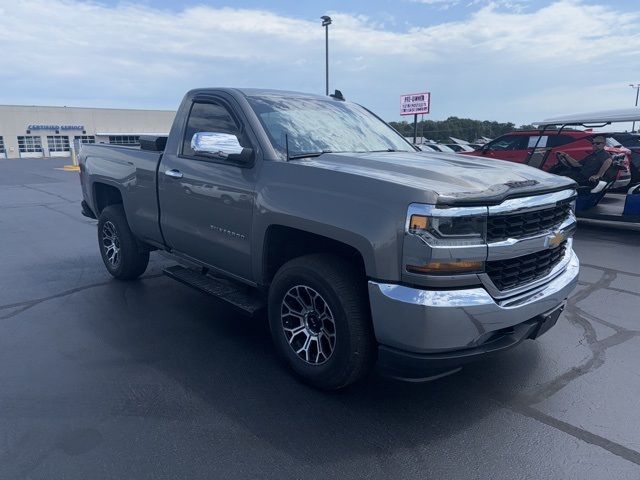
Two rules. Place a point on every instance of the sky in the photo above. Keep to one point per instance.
(504, 60)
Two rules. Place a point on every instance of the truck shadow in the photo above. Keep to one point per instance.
(228, 361)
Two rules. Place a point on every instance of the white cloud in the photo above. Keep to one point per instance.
(495, 63)
(516, 5)
(437, 2)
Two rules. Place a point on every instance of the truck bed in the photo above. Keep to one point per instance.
(131, 170)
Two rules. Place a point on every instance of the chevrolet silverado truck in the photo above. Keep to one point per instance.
(360, 249)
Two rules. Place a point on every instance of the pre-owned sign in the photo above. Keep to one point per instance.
(415, 103)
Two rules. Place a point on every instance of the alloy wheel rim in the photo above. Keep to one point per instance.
(308, 324)
(111, 243)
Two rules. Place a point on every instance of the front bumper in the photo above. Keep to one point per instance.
(455, 323)
(428, 366)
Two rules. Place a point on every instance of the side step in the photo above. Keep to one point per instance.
(240, 296)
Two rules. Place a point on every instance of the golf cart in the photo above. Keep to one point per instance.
(595, 201)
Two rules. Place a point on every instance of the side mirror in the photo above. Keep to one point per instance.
(221, 146)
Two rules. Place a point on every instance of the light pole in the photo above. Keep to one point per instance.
(637, 87)
(326, 21)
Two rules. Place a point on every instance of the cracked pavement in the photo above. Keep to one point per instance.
(150, 379)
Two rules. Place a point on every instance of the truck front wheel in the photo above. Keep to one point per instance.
(124, 258)
(320, 320)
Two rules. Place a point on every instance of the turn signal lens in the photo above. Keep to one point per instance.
(418, 222)
(447, 268)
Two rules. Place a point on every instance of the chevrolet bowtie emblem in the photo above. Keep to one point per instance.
(556, 239)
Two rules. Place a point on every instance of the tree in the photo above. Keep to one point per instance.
(463, 128)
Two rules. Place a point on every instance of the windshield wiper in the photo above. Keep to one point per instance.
(308, 154)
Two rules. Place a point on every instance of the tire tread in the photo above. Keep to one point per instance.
(135, 258)
(350, 287)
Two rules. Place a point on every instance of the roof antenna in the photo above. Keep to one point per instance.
(337, 95)
(286, 144)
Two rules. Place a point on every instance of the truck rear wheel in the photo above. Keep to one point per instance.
(124, 258)
(320, 320)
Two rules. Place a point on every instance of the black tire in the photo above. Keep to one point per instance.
(342, 289)
(131, 259)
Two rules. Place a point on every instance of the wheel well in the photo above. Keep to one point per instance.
(106, 195)
(285, 243)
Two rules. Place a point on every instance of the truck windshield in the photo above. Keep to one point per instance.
(318, 125)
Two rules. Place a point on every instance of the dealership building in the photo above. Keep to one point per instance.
(33, 131)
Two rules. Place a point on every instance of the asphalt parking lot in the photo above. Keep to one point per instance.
(153, 380)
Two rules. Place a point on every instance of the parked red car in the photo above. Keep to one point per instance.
(516, 147)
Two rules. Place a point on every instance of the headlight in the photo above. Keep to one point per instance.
(439, 229)
(456, 235)
(467, 230)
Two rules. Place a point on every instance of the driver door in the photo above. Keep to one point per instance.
(206, 204)
(508, 147)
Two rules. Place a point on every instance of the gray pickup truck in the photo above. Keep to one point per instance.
(361, 249)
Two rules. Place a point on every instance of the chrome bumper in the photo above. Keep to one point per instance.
(425, 321)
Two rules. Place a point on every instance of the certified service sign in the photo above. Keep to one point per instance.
(415, 103)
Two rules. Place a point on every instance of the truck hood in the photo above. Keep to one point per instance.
(454, 179)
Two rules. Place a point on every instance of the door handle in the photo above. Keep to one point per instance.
(173, 173)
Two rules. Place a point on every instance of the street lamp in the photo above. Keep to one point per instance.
(637, 87)
(326, 21)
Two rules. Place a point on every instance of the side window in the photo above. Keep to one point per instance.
(208, 117)
(559, 140)
(538, 141)
(509, 142)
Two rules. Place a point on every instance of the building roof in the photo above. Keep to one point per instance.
(88, 108)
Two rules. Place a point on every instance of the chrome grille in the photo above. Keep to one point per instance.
(514, 272)
(521, 225)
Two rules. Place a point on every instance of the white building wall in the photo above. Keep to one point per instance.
(15, 121)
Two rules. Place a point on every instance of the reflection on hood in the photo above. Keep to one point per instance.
(456, 179)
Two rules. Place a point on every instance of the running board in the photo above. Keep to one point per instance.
(236, 294)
